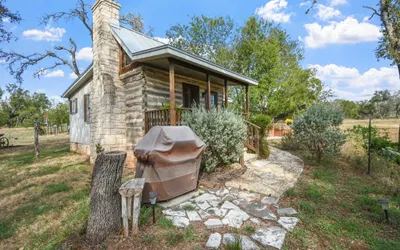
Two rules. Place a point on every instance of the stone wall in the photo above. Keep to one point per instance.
(79, 148)
(108, 93)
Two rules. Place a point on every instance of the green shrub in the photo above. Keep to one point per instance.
(223, 132)
(318, 130)
(378, 142)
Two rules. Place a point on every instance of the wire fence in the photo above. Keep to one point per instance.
(55, 129)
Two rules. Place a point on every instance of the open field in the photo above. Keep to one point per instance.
(390, 126)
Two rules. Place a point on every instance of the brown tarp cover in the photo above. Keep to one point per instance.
(169, 159)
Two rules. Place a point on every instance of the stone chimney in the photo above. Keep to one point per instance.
(107, 126)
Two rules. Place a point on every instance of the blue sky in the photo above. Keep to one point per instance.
(338, 39)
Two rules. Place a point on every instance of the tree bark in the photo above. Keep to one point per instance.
(36, 137)
(105, 201)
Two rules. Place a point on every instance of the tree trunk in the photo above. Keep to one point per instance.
(105, 201)
(36, 137)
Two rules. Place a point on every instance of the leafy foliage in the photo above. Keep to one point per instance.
(318, 130)
(12, 17)
(378, 142)
(222, 131)
(263, 121)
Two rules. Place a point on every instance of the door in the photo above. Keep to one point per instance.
(190, 95)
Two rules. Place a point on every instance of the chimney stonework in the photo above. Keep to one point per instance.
(108, 93)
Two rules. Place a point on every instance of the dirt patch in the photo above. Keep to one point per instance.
(222, 175)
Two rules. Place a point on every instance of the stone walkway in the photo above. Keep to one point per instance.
(229, 209)
(272, 176)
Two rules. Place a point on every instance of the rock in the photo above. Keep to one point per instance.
(270, 236)
(222, 192)
(193, 216)
(249, 197)
(174, 212)
(229, 205)
(179, 221)
(215, 203)
(214, 241)
(213, 223)
(260, 211)
(288, 223)
(212, 191)
(269, 200)
(206, 197)
(228, 197)
(203, 205)
(220, 212)
(235, 218)
(239, 202)
(286, 211)
(255, 221)
(247, 243)
(187, 204)
(203, 214)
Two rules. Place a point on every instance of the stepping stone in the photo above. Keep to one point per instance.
(249, 197)
(255, 221)
(214, 241)
(260, 211)
(247, 243)
(270, 236)
(203, 205)
(187, 204)
(193, 216)
(228, 197)
(212, 191)
(215, 203)
(269, 200)
(286, 211)
(220, 212)
(174, 212)
(288, 223)
(222, 192)
(229, 205)
(239, 202)
(235, 218)
(206, 197)
(179, 221)
(213, 223)
(203, 214)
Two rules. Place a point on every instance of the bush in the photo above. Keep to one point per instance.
(264, 122)
(222, 131)
(318, 130)
(378, 142)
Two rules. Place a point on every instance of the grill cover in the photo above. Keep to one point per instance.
(169, 159)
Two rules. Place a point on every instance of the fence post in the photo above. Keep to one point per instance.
(369, 145)
(398, 140)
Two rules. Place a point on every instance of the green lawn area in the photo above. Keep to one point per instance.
(42, 202)
(338, 208)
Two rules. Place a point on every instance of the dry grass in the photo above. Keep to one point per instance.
(390, 126)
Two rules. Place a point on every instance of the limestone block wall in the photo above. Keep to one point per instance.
(156, 88)
(108, 92)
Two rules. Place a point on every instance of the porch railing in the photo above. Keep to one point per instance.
(252, 141)
(161, 117)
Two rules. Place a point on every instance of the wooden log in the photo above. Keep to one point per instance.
(36, 137)
(125, 215)
(136, 212)
(105, 204)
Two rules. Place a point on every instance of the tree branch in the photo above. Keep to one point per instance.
(375, 12)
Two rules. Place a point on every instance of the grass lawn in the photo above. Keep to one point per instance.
(338, 208)
(45, 201)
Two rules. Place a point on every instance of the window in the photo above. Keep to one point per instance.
(86, 106)
(214, 99)
(190, 95)
(73, 106)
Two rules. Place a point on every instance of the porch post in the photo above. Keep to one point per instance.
(226, 92)
(208, 92)
(172, 93)
(247, 102)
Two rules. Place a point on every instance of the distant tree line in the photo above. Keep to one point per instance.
(383, 104)
(20, 108)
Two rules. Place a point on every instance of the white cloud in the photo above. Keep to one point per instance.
(55, 73)
(5, 19)
(350, 83)
(274, 10)
(72, 76)
(2, 61)
(326, 13)
(306, 3)
(337, 2)
(49, 34)
(348, 31)
(162, 39)
(85, 54)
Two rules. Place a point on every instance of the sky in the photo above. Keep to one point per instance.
(338, 38)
